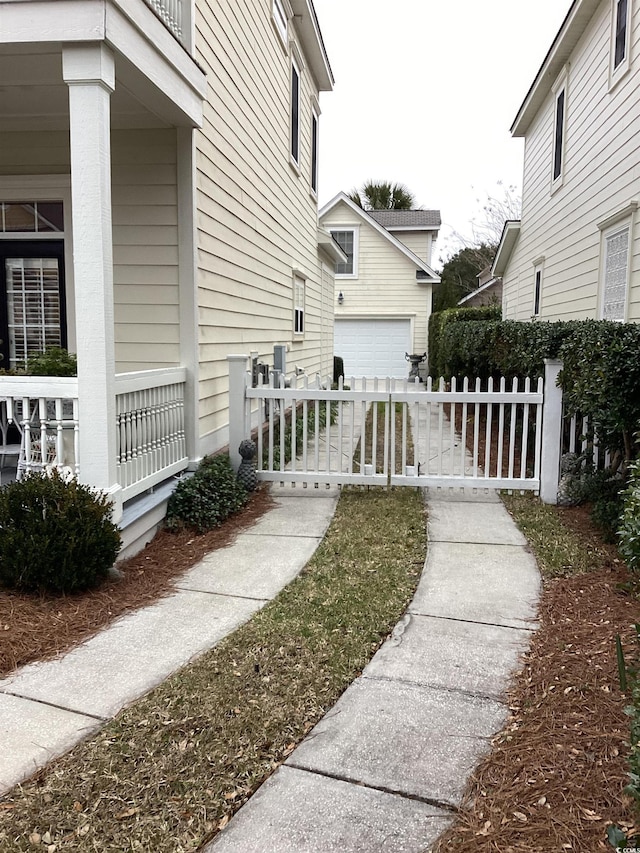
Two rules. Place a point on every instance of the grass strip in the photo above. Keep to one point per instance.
(168, 772)
(559, 550)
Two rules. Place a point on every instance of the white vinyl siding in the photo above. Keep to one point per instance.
(257, 220)
(602, 147)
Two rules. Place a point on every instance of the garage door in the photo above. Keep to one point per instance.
(373, 347)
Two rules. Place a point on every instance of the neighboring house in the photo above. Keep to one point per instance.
(383, 291)
(575, 253)
(487, 293)
(158, 212)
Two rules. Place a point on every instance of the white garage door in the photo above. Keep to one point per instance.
(373, 347)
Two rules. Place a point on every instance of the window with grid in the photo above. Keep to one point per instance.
(346, 240)
(298, 304)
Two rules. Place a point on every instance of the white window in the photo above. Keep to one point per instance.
(347, 239)
(537, 289)
(314, 151)
(280, 20)
(559, 130)
(620, 43)
(615, 272)
(298, 304)
(294, 149)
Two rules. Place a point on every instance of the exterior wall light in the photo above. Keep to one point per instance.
(340, 298)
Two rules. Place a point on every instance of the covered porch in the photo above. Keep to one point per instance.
(98, 108)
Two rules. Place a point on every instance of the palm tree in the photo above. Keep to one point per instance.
(383, 195)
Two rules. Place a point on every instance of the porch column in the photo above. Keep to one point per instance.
(89, 71)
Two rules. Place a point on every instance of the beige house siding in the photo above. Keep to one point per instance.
(601, 170)
(257, 217)
(386, 283)
(418, 242)
(144, 235)
(145, 249)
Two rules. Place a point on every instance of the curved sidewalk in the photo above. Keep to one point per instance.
(386, 768)
(46, 708)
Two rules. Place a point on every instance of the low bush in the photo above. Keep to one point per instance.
(55, 535)
(604, 491)
(206, 499)
(629, 529)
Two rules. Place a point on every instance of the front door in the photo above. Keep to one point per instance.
(32, 303)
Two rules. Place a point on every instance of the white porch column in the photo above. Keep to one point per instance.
(89, 71)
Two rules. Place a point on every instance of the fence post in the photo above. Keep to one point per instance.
(551, 432)
(237, 407)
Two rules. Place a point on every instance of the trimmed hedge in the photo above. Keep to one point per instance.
(205, 500)
(440, 355)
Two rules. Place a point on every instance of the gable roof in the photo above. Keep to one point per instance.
(397, 220)
(432, 277)
(578, 17)
(508, 240)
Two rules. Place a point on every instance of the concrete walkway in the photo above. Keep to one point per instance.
(385, 769)
(46, 708)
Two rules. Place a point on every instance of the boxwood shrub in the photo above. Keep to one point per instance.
(206, 499)
(56, 536)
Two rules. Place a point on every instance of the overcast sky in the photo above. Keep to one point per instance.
(425, 94)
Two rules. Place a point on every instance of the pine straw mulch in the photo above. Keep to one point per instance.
(34, 628)
(553, 780)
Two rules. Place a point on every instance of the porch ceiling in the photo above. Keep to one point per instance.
(33, 95)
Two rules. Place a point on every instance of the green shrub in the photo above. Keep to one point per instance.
(439, 323)
(205, 500)
(604, 491)
(629, 530)
(55, 535)
(54, 361)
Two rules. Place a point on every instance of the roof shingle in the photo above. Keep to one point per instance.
(406, 218)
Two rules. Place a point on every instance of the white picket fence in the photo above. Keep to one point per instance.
(451, 435)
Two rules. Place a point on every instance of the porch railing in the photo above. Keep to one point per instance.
(170, 12)
(45, 413)
(151, 444)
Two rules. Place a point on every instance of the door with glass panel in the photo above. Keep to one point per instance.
(32, 315)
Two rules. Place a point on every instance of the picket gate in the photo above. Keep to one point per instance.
(464, 434)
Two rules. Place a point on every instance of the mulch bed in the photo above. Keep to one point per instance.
(555, 775)
(39, 627)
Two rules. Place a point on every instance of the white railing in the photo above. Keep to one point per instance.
(44, 411)
(170, 12)
(150, 436)
(449, 435)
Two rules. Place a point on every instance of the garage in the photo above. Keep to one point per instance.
(373, 347)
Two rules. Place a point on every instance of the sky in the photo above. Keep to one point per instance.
(426, 95)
